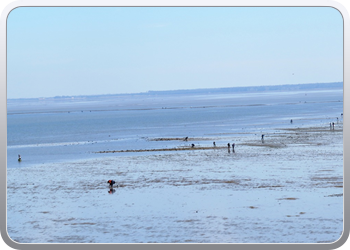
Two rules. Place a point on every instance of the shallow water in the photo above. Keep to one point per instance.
(258, 194)
(45, 131)
(288, 189)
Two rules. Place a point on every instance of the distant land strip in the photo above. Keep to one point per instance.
(284, 87)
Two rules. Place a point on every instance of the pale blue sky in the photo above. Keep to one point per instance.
(56, 51)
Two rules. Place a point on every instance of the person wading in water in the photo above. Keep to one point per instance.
(111, 183)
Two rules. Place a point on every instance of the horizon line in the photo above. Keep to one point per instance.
(182, 90)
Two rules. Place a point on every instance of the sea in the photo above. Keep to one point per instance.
(70, 128)
(255, 195)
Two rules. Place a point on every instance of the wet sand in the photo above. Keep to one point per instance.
(288, 189)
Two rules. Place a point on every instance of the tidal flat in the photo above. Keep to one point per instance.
(287, 189)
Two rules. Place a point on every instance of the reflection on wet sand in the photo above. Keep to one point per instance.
(284, 185)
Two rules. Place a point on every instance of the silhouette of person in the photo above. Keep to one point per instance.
(111, 183)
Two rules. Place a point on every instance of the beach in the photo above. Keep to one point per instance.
(215, 127)
(287, 189)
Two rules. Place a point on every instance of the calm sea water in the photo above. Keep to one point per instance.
(53, 130)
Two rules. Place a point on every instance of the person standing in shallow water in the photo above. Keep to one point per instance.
(262, 138)
(233, 147)
(111, 183)
(19, 158)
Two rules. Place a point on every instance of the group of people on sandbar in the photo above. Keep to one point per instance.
(214, 145)
(331, 124)
(228, 146)
(233, 147)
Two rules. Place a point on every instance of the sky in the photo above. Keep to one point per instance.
(69, 51)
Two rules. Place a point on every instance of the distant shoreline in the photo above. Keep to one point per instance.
(247, 89)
